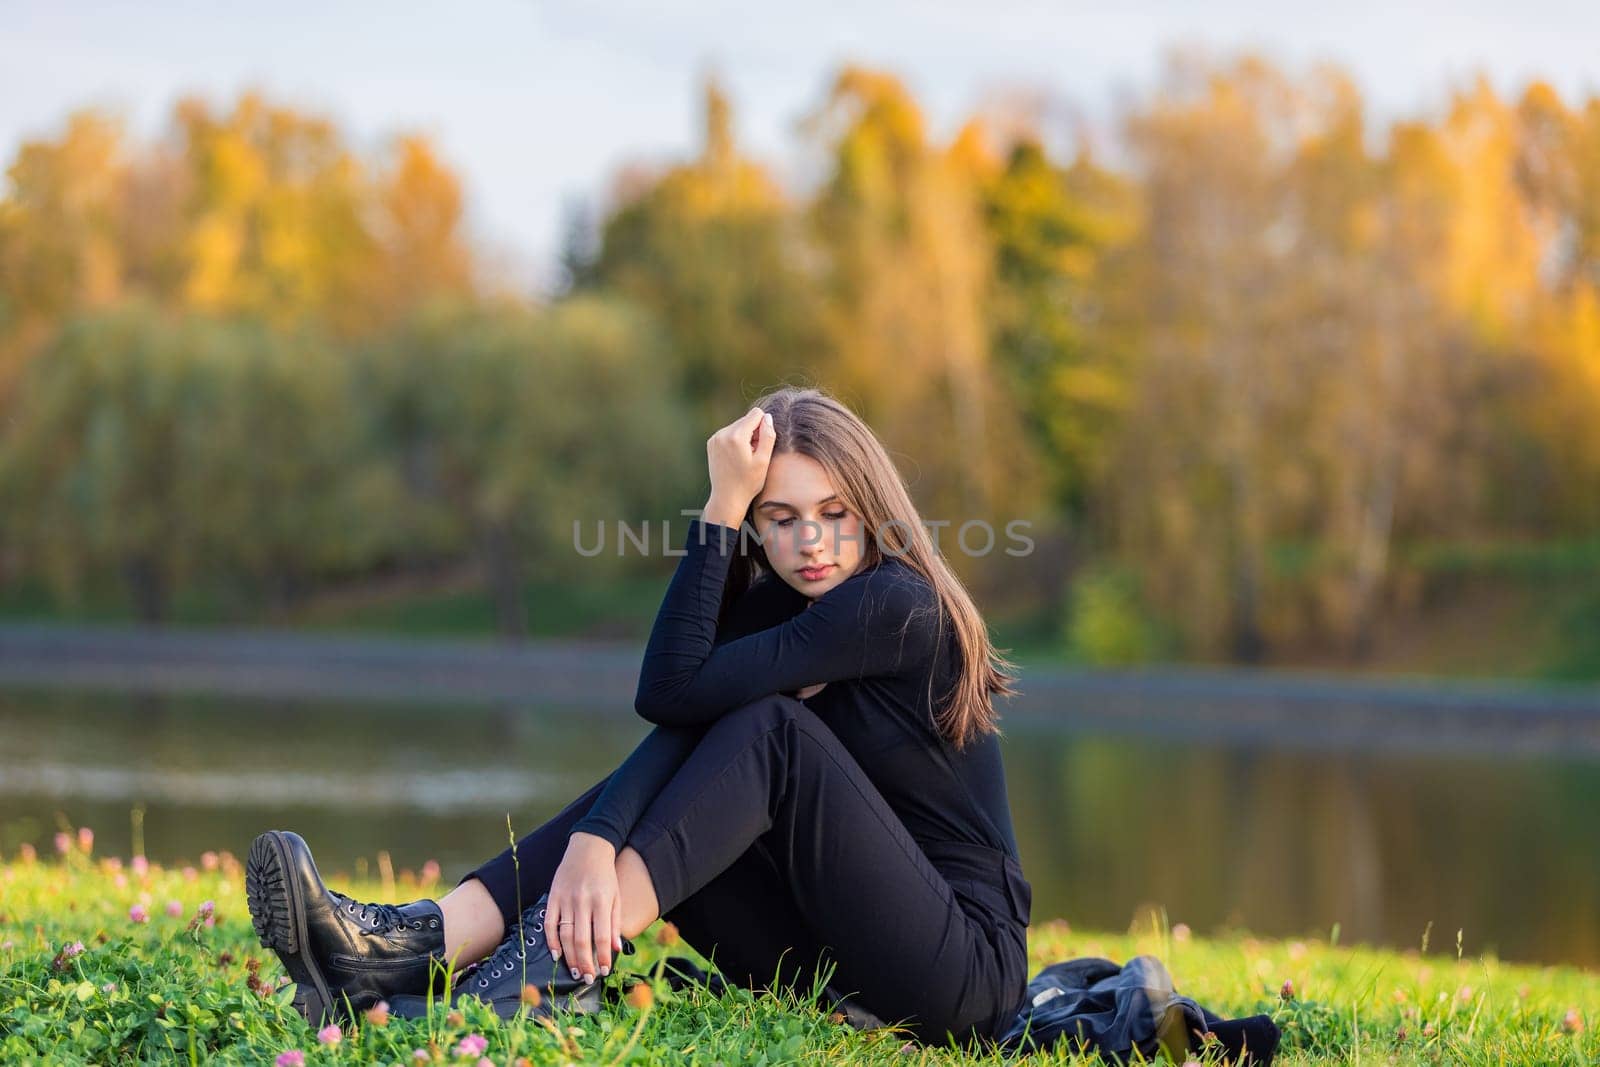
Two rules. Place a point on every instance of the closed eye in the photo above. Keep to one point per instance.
(786, 523)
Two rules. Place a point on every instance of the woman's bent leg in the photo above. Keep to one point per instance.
(861, 887)
(323, 939)
(746, 923)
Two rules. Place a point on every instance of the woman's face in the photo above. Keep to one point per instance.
(804, 525)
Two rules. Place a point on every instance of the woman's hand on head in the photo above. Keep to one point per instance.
(738, 455)
(583, 917)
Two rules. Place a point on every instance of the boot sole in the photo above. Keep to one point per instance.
(279, 915)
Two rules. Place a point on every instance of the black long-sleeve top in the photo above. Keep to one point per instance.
(874, 638)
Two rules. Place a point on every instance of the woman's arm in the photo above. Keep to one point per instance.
(857, 629)
(634, 784)
(636, 781)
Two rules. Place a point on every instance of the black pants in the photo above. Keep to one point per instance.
(774, 855)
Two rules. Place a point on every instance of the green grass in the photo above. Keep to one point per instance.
(173, 989)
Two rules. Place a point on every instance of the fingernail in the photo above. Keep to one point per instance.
(604, 971)
(588, 978)
(574, 972)
(556, 955)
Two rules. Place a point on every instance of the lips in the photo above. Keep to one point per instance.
(812, 574)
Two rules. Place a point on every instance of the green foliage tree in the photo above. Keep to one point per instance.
(288, 491)
(174, 451)
(509, 425)
(100, 469)
(1056, 231)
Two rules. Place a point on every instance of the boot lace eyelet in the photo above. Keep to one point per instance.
(537, 927)
(483, 983)
(433, 924)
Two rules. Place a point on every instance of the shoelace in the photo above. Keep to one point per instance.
(381, 917)
(514, 947)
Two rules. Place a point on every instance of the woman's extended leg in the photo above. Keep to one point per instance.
(344, 954)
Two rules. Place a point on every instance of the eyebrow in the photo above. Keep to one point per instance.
(780, 504)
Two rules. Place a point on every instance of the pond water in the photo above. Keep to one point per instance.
(1279, 841)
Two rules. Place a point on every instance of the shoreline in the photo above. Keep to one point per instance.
(1260, 706)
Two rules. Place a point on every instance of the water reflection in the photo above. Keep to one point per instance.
(1287, 842)
(1279, 841)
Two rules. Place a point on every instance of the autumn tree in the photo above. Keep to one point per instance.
(907, 269)
(710, 247)
(257, 211)
(84, 222)
(1202, 454)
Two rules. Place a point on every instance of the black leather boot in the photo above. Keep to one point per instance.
(523, 959)
(344, 956)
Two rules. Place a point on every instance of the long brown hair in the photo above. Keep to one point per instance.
(810, 422)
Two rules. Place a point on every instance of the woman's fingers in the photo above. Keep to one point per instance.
(741, 429)
(739, 455)
(749, 429)
(756, 431)
(763, 445)
(582, 955)
(552, 927)
(602, 936)
(759, 425)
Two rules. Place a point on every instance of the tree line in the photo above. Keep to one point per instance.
(1246, 362)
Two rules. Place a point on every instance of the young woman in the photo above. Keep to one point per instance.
(823, 786)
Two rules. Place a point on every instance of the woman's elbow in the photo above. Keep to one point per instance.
(657, 708)
(674, 707)
(646, 707)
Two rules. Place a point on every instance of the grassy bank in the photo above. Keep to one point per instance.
(111, 961)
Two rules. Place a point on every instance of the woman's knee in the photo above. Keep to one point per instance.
(762, 714)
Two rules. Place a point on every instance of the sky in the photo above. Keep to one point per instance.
(537, 104)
